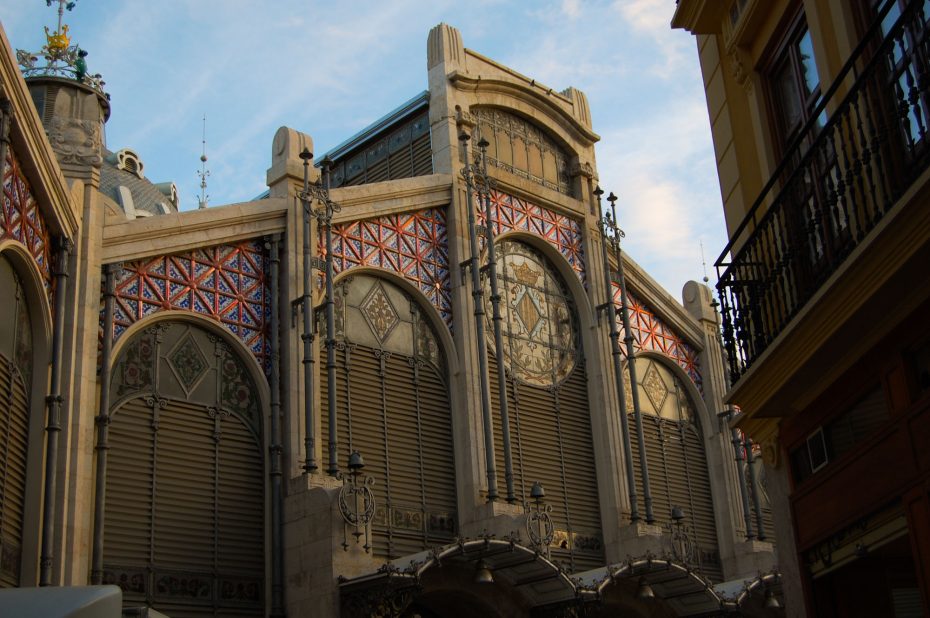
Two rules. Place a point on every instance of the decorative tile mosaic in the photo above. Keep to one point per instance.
(561, 231)
(412, 244)
(225, 282)
(21, 219)
(652, 334)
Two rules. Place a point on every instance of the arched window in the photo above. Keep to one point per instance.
(184, 514)
(550, 425)
(677, 460)
(16, 365)
(521, 147)
(393, 407)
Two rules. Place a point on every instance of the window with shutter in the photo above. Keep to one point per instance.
(393, 407)
(184, 514)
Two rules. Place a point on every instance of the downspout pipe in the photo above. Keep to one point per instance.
(611, 313)
(484, 195)
(631, 367)
(328, 210)
(54, 402)
(478, 301)
(307, 337)
(277, 563)
(754, 486)
(741, 477)
(103, 423)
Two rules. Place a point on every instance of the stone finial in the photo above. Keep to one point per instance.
(287, 169)
(580, 108)
(698, 301)
(444, 45)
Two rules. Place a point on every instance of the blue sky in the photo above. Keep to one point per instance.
(331, 68)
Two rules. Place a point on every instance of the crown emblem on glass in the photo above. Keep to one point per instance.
(61, 58)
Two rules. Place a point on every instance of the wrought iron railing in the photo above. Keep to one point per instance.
(864, 145)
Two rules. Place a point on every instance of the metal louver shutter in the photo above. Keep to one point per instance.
(422, 156)
(415, 503)
(14, 432)
(551, 437)
(128, 513)
(678, 477)
(184, 511)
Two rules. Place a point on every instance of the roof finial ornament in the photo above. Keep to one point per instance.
(62, 59)
(204, 172)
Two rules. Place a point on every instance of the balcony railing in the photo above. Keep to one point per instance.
(837, 181)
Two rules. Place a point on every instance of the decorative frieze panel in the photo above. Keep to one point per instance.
(651, 334)
(412, 244)
(21, 219)
(224, 282)
(561, 231)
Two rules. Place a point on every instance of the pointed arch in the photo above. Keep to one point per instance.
(394, 367)
(550, 419)
(25, 353)
(675, 433)
(186, 502)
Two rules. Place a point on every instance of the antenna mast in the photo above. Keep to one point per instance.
(204, 172)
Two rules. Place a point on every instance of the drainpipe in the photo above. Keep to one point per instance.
(103, 422)
(308, 335)
(277, 562)
(611, 314)
(631, 366)
(754, 486)
(53, 403)
(484, 194)
(477, 295)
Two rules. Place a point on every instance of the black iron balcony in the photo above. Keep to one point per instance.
(836, 182)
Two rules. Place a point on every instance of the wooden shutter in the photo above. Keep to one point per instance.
(14, 432)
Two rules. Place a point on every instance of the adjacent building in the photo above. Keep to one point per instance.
(395, 384)
(820, 124)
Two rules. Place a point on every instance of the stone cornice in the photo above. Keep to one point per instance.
(698, 16)
(175, 232)
(530, 95)
(34, 150)
(393, 196)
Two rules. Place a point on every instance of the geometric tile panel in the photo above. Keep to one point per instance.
(652, 334)
(412, 244)
(562, 232)
(225, 282)
(21, 220)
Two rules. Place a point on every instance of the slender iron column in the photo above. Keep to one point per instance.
(53, 402)
(324, 217)
(277, 547)
(754, 486)
(480, 178)
(631, 367)
(727, 416)
(103, 422)
(477, 295)
(309, 333)
(611, 234)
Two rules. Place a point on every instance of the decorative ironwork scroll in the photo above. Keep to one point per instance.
(22, 221)
(411, 244)
(225, 282)
(357, 503)
(561, 231)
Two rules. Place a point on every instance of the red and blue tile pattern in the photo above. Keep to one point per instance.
(225, 282)
(22, 221)
(650, 333)
(412, 244)
(561, 231)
